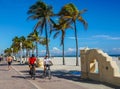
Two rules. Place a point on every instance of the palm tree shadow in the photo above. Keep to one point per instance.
(19, 64)
(3, 64)
(72, 75)
(75, 75)
(39, 74)
(18, 77)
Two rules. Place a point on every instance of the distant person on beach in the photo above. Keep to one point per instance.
(47, 62)
(9, 61)
(32, 61)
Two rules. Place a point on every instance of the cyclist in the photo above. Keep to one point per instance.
(47, 63)
(32, 61)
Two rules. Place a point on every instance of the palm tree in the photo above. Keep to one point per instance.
(42, 13)
(60, 28)
(71, 14)
(17, 40)
(15, 44)
(35, 38)
(43, 42)
(7, 51)
(28, 45)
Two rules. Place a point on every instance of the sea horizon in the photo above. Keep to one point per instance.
(113, 55)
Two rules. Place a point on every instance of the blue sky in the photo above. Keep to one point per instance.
(103, 17)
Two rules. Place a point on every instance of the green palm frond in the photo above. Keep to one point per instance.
(83, 21)
(56, 34)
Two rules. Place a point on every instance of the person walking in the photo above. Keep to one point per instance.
(9, 61)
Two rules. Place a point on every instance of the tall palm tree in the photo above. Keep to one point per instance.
(42, 13)
(71, 14)
(35, 38)
(28, 45)
(60, 28)
(15, 44)
(7, 51)
(17, 40)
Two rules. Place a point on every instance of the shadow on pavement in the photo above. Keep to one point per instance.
(74, 75)
(19, 64)
(3, 64)
(18, 77)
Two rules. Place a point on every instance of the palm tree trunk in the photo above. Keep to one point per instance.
(27, 55)
(36, 49)
(63, 55)
(32, 50)
(46, 33)
(76, 44)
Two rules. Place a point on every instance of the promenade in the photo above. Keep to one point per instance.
(19, 78)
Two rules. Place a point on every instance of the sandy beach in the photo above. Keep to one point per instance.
(76, 71)
(70, 63)
(117, 61)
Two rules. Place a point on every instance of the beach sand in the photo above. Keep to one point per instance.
(70, 63)
(70, 67)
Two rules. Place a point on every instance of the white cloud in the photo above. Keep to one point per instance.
(71, 49)
(106, 37)
(43, 51)
(72, 38)
(97, 36)
(116, 49)
(101, 36)
(113, 51)
(79, 38)
(82, 48)
(55, 49)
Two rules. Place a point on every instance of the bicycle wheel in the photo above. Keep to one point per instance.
(33, 72)
(30, 72)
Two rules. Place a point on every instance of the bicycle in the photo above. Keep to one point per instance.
(32, 71)
(48, 72)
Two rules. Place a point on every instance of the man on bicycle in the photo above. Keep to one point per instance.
(32, 61)
(47, 63)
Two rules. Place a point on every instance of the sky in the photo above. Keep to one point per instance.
(102, 16)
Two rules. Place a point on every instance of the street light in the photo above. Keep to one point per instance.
(12, 51)
(20, 52)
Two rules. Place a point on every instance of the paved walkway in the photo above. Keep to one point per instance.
(19, 78)
(10, 79)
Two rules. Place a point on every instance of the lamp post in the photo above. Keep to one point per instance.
(20, 52)
(12, 51)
